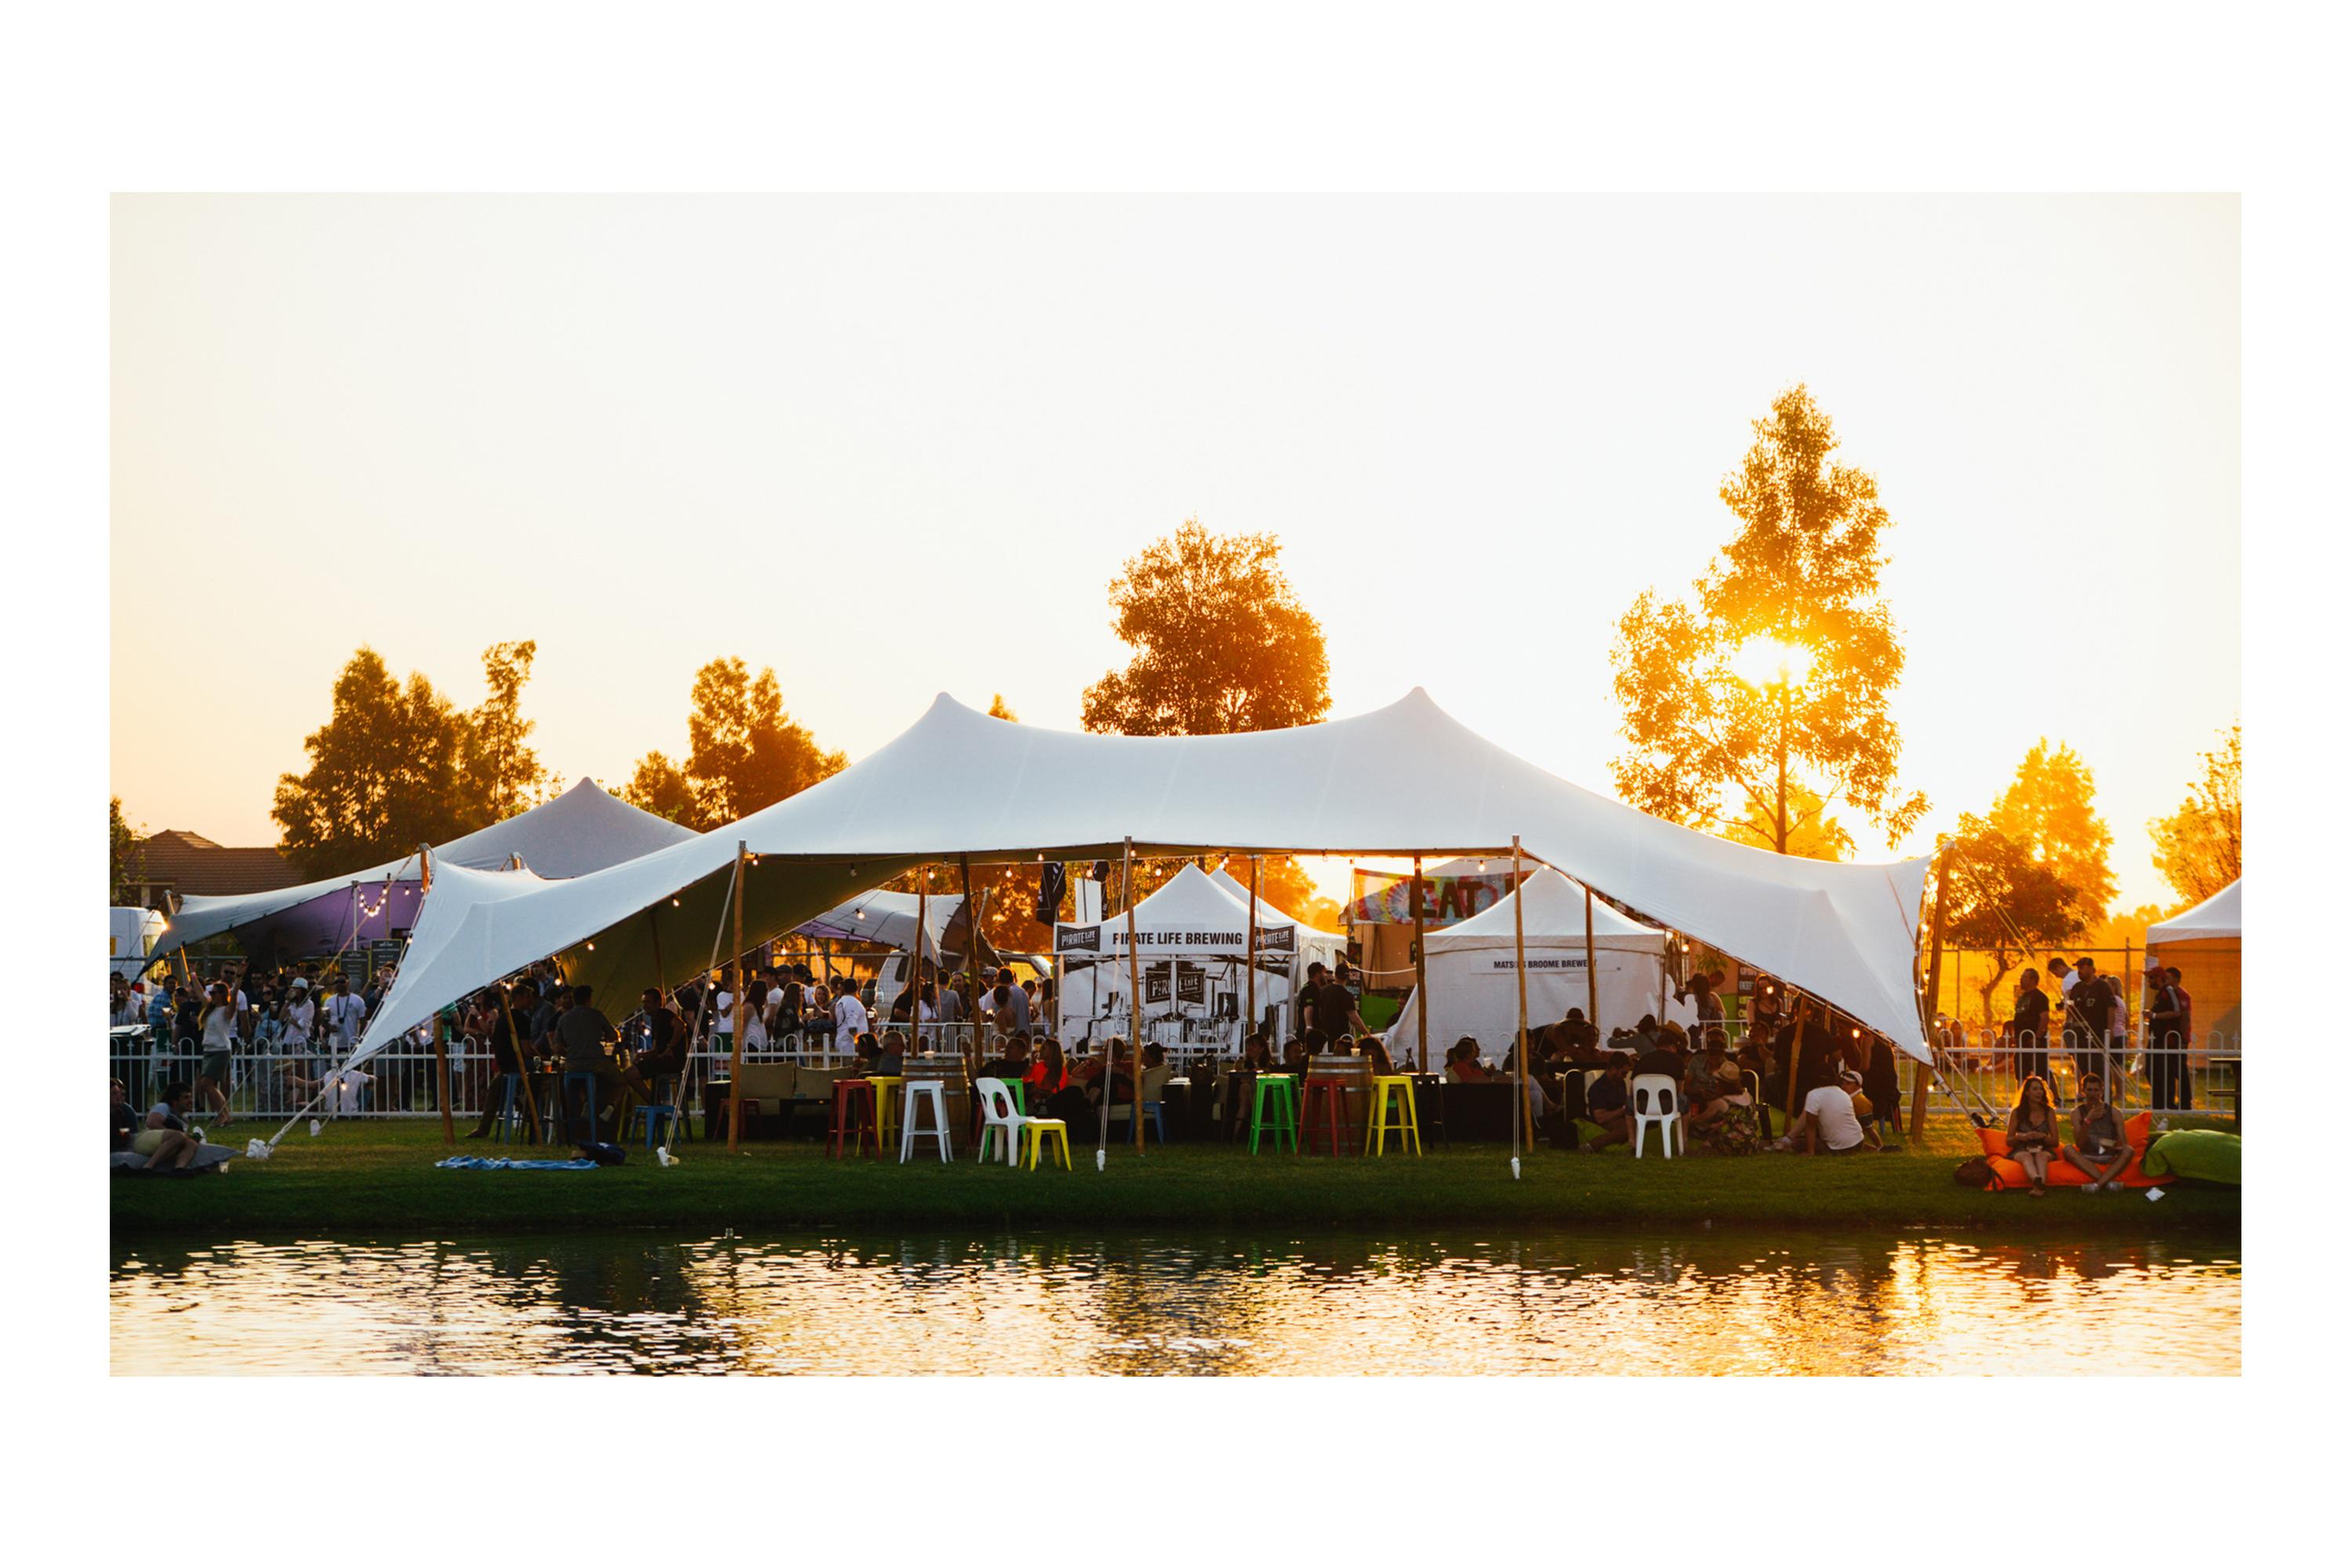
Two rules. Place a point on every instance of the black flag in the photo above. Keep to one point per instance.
(1052, 880)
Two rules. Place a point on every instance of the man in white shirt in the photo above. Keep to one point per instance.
(298, 1015)
(849, 1019)
(722, 1014)
(1829, 1125)
(345, 1014)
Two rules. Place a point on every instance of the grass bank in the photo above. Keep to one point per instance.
(380, 1177)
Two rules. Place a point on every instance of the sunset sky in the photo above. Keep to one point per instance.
(896, 446)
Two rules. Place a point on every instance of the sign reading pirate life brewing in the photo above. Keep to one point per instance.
(1111, 937)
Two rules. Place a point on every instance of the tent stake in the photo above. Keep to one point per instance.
(1520, 951)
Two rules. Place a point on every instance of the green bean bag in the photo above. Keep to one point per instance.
(2202, 1155)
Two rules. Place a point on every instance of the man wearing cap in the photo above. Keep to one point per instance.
(1828, 1124)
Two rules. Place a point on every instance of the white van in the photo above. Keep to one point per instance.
(131, 936)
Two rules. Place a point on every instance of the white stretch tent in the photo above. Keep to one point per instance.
(1192, 920)
(1404, 780)
(888, 918)
(582, 830)
(1474, 975)
(2218, 918)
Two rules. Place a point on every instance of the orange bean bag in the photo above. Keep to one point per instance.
(2006, 1172)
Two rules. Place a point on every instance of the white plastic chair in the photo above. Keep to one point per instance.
(996, 1113)
(1655, 1100)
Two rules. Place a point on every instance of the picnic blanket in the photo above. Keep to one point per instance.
(476, 1163)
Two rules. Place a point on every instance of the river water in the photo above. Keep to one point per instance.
(1180, 1303)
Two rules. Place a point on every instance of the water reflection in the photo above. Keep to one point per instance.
(1337, 1305)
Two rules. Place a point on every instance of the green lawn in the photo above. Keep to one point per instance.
(380, 1177)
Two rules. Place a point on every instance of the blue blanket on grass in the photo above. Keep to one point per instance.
(476, 1162)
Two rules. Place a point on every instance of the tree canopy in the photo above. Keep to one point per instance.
(743, 752)
(2200, 847)
(2031, 874)
(1801, 570)
(396, 766)
(1221, 644)
(126, 862)
(1813, 834)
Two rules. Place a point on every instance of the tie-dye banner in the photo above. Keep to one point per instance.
(1382, 900)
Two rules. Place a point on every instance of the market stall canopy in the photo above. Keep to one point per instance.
(1473, 968)
(1405, 780)
(1189, 915)
(2215, 920)
(582, 830)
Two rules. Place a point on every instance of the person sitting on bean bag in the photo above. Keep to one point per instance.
(2099, 1150)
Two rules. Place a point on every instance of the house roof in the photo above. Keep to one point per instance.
(189, 863)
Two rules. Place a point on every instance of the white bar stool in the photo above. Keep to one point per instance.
(936, 1091)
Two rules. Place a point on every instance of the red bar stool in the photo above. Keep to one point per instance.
(1330, 1094)
(852, 1096)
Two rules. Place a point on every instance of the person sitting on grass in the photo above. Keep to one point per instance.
(1604, 1105)
(2099, 1150)
(166, 1141)
(1828, 1124)
(1722, 1111)
(2033, 1132)
(121, 1120)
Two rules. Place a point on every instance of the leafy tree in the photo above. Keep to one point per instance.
(999, 709)
(383, 774)
(126, 862)
(744, 752)
(2003, 900)
(1803, 571)
(2048, 808)
(1814, 835)
(1222, 643)
(499, 775)
(2199, 849)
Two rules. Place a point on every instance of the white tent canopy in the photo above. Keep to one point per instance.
(888, 918)
(582, 830)
(1404, 780)
(1474, 975)
(2218, 918)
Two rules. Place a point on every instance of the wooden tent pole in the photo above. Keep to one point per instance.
(915, 979)
(970, 958)
(735, 1063)
(1249, 983)
(1134, 1046)
(440, 1030)
(1420, 964)
(1519, 953)
(1592, 971)
(1921, 1073)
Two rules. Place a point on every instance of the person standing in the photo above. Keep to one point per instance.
(587, 1036)
(722, 1014)
(506, 1060)
(219, 1026)
(850, 1018)
(345, 1014)
(2029, 1028)
(2089, 1007)
(2168, 1027)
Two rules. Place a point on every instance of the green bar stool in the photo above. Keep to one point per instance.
(1280, 1116)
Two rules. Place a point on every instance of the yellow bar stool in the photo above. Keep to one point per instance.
(885, 1109)
(1407, 1125)
(1037, 1128)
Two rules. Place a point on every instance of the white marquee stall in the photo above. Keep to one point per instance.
(1474, 975)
